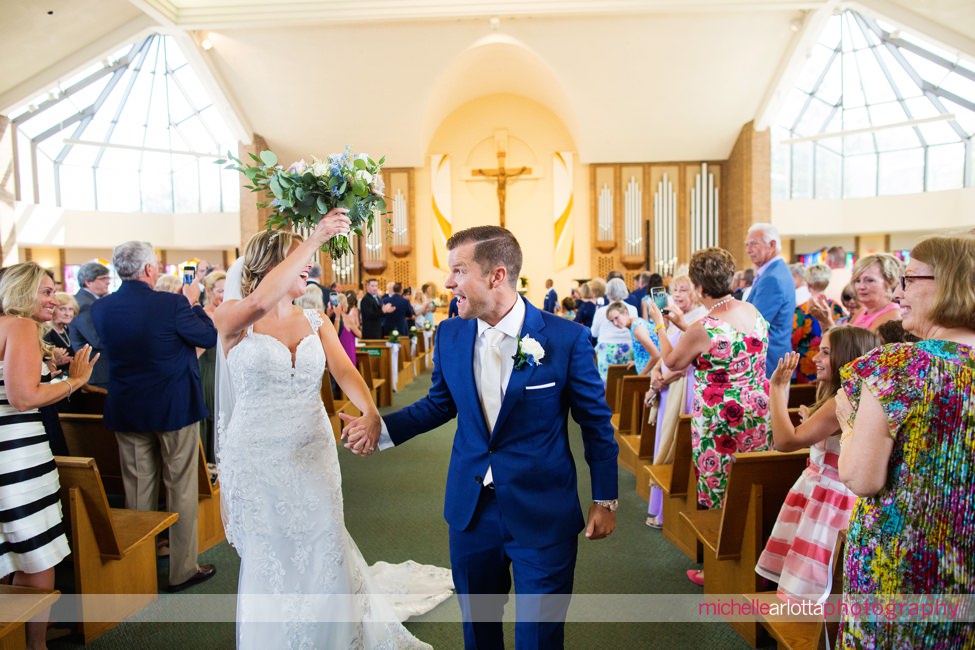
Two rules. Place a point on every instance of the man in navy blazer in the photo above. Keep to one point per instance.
(511, 496)
(395, 318)
(773, 292)
(155, 398)
(551, 302)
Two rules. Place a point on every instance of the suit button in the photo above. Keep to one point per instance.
(478, 479)
(491, 450)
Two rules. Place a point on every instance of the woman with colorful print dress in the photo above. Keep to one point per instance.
(909, 453)
(727, 348)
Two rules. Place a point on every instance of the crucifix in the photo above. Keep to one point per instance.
(502, 173)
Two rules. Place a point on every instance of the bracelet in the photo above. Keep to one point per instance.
(659, 328)
(70, 388)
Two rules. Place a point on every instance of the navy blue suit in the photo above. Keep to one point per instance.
(151, 338)
(636, 297)
(82, 332)
(532, 518)
(774, 295)
(551, 301)
(396, 320)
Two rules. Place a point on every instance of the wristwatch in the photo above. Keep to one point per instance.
(609, 505)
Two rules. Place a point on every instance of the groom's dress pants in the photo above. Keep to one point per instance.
(483, 558)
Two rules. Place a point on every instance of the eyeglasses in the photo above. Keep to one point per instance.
(905, 278)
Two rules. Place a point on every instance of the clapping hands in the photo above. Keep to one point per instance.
(782, 376)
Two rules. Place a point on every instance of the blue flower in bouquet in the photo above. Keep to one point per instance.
(299, 195)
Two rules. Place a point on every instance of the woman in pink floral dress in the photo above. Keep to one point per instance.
(727, 348)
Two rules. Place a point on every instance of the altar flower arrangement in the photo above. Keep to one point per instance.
(302, 193)
(530, 353)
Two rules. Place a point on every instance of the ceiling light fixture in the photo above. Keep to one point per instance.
(495, 23)
(207, 42)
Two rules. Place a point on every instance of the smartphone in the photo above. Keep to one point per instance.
(659, 297)
(334, 299)
(189, 274)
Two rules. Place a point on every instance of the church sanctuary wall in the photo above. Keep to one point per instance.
(534, 135)
(897, 221)
(50, 227)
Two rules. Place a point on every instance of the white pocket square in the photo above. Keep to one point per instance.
(540, 386)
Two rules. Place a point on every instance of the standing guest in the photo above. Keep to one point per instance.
(512, 502)
(839, 275)
(800, 281)
(315, 277)
(59, 335)
(875, 278)
(423, 305)
(585, 306)
(639, 290)
(312, 298)
(674, 391)
(798, 554)
(213, 285)
(452, 308)
(806, 330)
(169, 284)
(614, 345)
(155, 398)
(645, 342)
(95, 282)
(850, 303)
(371, 311)
(32, 535)
(346, 326)
(598, 288)
(728, 350)
(568, 308)
(398, 311)
(551, 304)
(909, 422)
(774, 291)
(747, 280)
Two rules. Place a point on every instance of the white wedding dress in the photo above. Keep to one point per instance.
(303, 582)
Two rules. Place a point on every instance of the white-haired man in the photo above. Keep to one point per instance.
(774, 291)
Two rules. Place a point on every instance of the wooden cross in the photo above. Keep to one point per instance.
(502, 173)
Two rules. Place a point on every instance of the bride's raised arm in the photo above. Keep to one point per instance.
(235, 316)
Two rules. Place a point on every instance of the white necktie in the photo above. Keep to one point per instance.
(491, 376)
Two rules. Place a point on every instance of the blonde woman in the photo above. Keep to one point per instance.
(875, 278)
(169, 284)
(278, 461)
(32, 537)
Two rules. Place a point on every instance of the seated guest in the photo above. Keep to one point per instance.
(798, 554)
(644, 338)
(585, 306)
(806, 330)
(875, 277)
(614, 344)
(674, 391)
(728, 350)
(908, 421)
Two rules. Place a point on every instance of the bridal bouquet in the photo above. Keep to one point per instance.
(299, 195)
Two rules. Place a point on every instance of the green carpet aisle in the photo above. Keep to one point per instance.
(393, 509)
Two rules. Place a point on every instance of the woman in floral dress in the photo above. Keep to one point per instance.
(909, 453)
(727, 348)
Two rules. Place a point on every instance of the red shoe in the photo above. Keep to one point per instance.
(695, 576)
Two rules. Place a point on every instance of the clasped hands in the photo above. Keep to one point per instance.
(361, 434)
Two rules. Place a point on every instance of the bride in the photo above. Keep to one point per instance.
(303, 581)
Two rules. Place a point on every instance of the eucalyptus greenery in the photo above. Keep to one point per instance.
(301, 194)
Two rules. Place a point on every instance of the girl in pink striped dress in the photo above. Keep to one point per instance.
(798, 555)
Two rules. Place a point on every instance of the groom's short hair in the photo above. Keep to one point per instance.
(494, 246)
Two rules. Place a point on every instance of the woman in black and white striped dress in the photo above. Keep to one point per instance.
(32, 539)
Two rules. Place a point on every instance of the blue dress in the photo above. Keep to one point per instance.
(641, 356)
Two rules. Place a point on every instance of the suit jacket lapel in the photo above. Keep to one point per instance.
(465, 344)
(534, 323)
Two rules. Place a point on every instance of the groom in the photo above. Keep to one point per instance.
(510, 373)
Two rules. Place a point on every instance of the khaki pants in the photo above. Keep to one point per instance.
(173, 454)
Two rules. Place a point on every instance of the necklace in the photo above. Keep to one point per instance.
(721, 302)
(63, 337)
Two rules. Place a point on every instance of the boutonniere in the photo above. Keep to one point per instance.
(530, 353)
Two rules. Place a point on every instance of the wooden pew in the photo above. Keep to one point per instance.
(614, 378)
(812, 633)
(801, 395)
(679, 484)
(635, 442)
(734, 535)
(363, 361)
(335, 406)
(406, 372)
(422, 360)
(86, 436)
(17, 606)
(113, 550)
(381, 361)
